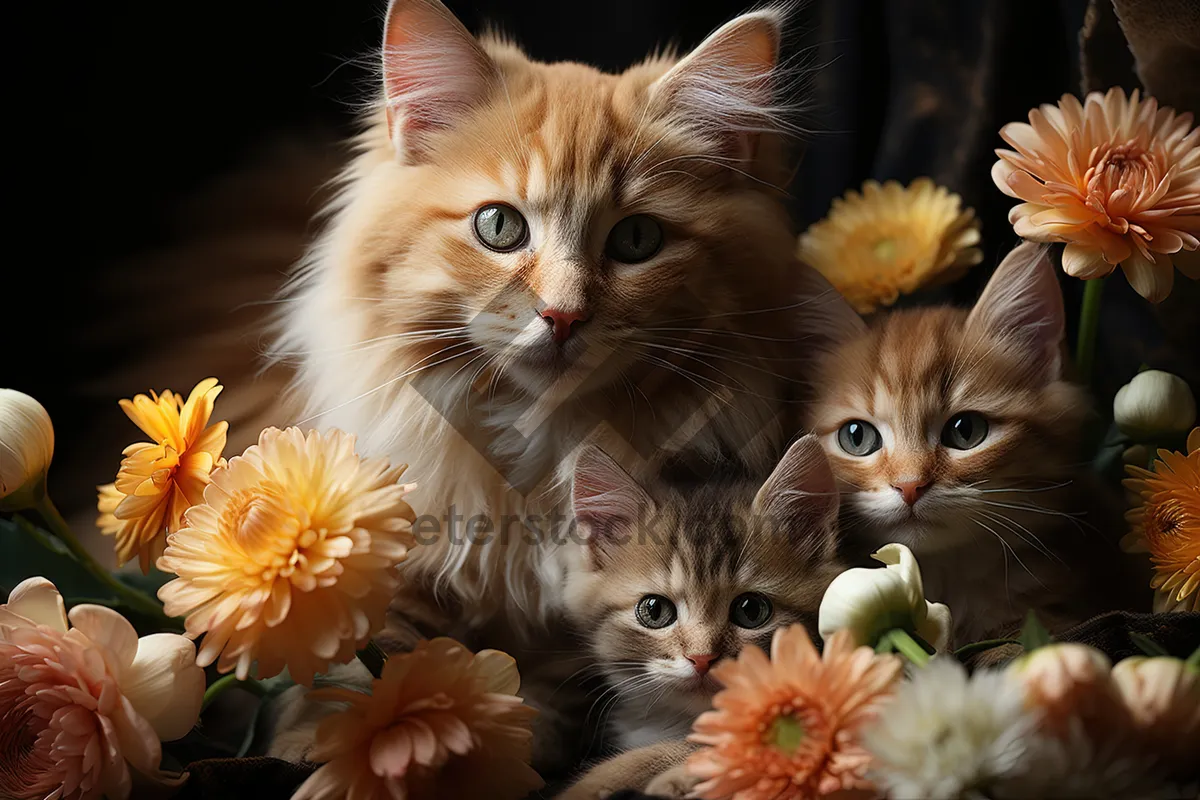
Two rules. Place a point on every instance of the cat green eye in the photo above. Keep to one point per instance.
(965, 431)
(500, 227)
(655, 611)
(634, 239)
(750, 610)
(859, 438)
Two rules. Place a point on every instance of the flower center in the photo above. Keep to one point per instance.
(272, 531)
(24, 767)
(786, 733)
(885, 249)
(1118, 179)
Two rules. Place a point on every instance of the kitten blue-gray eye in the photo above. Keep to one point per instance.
(750, 610)
(655, 611)
(859, 438)
(965, 431)
(634, 239)
(500, 227)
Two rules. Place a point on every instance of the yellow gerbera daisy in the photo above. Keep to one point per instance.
(162, 478)
(289, 560)
(891, 240)
(1166, 524)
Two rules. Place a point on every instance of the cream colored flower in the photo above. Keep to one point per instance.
(870, 602)
(289, 560)
(1116, 178)
(439, 723)
(26, 448)
(1154, 403)
(892, 240)
(80, 705)
(1162, 696)
(949, 735)
(161, 479)
(1071, 685)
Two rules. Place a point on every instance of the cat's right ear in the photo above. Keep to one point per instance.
(801, 496)
(725, 88)
(607, 502)
(1022, 308)
(826, 318)
(433, 72)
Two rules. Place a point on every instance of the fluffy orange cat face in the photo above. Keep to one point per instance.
(942, 425)
(529, 217)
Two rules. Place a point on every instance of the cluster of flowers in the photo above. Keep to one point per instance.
(1060, 720)
(283, 558)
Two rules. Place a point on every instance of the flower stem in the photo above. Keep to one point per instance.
(127, 595)
(224, 682)
(908, 647)
(1089, 324)
(373, 658)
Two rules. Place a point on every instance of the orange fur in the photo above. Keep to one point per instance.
(398, 295)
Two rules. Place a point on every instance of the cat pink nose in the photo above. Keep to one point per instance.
(702, 662)
(911, 490)
(562, 323)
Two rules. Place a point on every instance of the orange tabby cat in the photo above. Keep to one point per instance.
(524, 255)
(528, 256)
(956, 434)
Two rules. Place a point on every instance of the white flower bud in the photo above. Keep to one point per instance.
(870, 602)
(26, 447)
(1154, 403)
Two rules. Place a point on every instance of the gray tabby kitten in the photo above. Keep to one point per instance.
(667, 582)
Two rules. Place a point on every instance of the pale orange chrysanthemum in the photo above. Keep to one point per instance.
(1166, 524)
(440, 723)
(1116, 178)
(892, 240)
(161, 479)
(289, 560)
(787, 728)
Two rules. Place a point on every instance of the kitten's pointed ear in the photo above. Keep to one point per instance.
(1022, 306)
(725, 88)
(433, 72)
(802, 496)
(606, 500)
(828, 319)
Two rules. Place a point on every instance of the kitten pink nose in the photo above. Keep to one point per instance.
(911, 490)
(562, 323)
(702, 662)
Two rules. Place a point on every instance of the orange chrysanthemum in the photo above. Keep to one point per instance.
(892, 240)
(439, 723)
(1116, 178)
(1166, 524)
(787, 728)
(161, 479)
(289, 560)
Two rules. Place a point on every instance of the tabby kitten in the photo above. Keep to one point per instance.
(956, 434)
(669, 581)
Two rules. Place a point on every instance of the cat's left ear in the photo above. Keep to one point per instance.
(608, 503)
(725, 88)
(1022, 307)
(802, 496)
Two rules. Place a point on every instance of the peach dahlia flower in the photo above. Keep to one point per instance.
(81, 704)
(787, 728)
(162, 478)
(289, 560)
(1163, 698)
(440, 722)
(1116, 178)
(1165, 522)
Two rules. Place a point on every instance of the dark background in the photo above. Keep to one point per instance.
(136, 108)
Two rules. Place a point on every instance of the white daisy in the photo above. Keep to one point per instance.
(947, 735)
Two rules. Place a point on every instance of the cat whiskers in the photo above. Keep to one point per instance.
(1010, 548)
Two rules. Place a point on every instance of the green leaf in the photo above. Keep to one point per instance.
(885, 644)
(30, 551)
(1034, 634)
(1193, 661)
(1147, 645)
(147, 584)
